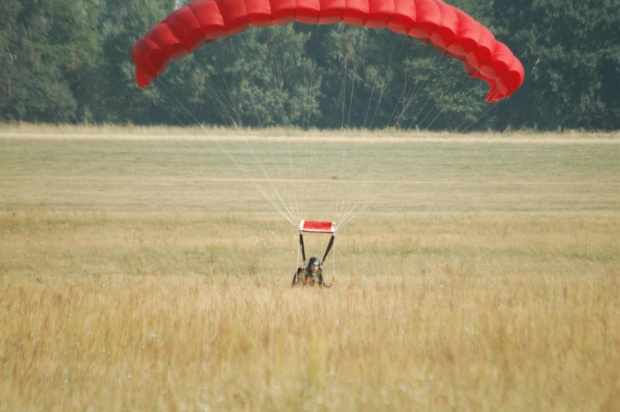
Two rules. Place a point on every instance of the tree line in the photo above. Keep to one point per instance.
(70, 62)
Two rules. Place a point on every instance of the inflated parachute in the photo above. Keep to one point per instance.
(443, 26)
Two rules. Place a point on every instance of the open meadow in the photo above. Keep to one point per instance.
(142, 269)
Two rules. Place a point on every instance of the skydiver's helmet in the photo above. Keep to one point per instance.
(314, 265)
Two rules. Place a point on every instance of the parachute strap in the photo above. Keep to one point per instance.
(314, 226)
(302, 247)
(311, 226)
(329, 247)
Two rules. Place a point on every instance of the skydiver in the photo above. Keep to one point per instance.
(309, 275)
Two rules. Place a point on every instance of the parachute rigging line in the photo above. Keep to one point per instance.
(277, 73)
(314, 41)
(479, 119)
(419, 85)
(396, 104)
(225, 108)
(374, 82)
(287, 207)
(388, 72)
(427, 113)
(435, 23)
(434, 105)
(288, 215)
(170, 112)
(345, 63)
(251, 94)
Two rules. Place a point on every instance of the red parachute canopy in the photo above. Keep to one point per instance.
(445, 27)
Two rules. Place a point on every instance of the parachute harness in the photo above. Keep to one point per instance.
(317, 227)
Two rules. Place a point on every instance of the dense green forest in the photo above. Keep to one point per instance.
(69, 61)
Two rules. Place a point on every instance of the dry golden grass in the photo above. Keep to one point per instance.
(127, 286)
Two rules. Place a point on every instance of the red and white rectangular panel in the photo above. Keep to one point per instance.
(313, 226)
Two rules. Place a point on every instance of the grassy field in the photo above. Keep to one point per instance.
(141, 270)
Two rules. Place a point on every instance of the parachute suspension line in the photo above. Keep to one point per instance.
(415, 118)
(354, 77)
(362, 189)
(345, 63)
(414, 92)
(345, 207)
(373, 199)
(359, 204)
(428, 112)
(374, 83)
(187, 114)
(433, 106)
(428, 99)
(313, 70)
(305, 173)
(225, 110)
(250, 94)
(273, 187)
(362, 204)
(435, 118)
(287, 207)
(339, 205)
(314, 42)
(288, 216)
(294, 178)
(304, 101)
(473, 122)
(277, 75)
(278, 80)
(170, 112)
(388, 71)
(226, 107)
(346, 203)
(401, 100)
(291, 204)
(293, 216)
(360, 186)
(359, 207)
(231, 90)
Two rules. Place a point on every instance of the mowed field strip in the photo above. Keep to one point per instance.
(142, 269)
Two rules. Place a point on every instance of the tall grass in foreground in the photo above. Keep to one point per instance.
(451, 312)
(138, 272)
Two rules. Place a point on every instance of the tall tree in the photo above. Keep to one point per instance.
(49, 50)
(122, 22)
(572, 59)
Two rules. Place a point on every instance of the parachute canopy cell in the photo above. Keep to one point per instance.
(448, 29)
